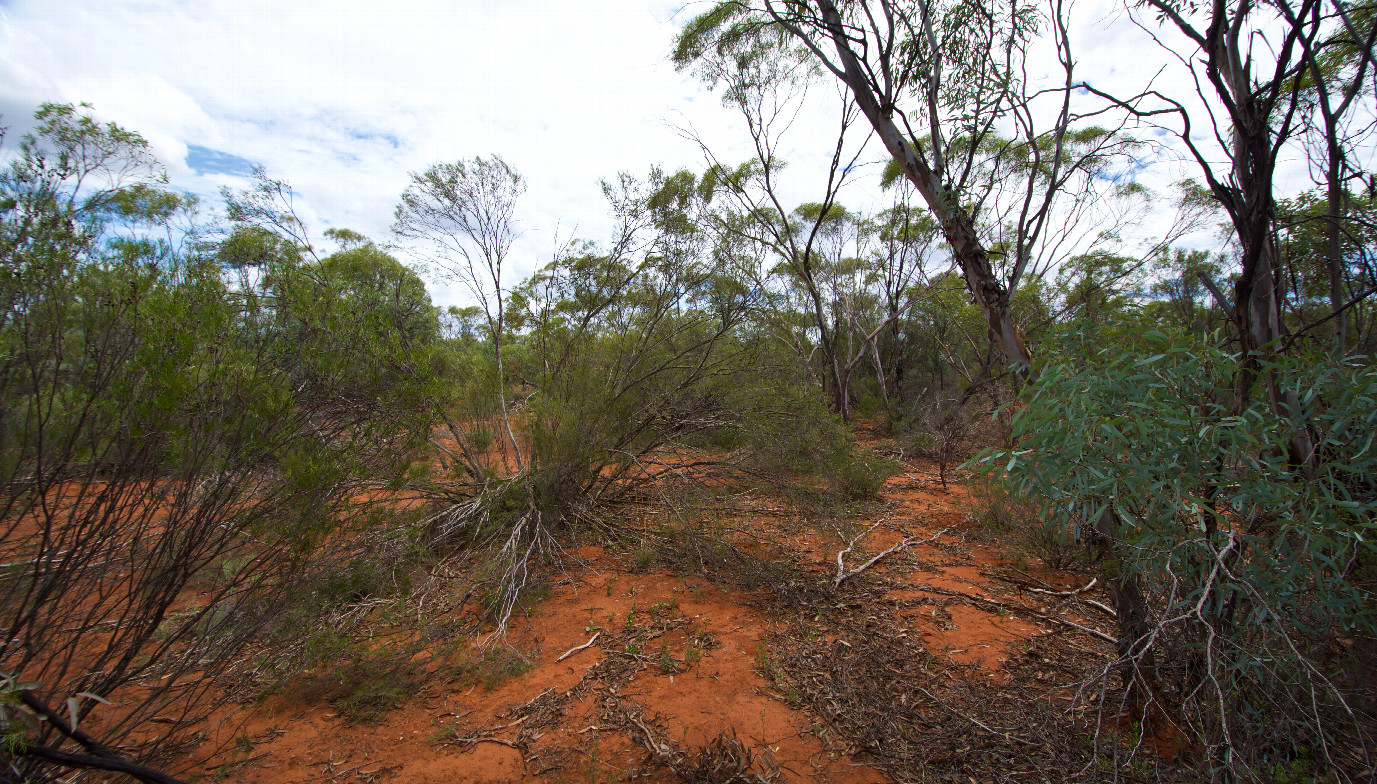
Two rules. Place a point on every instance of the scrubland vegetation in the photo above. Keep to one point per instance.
(226, 453)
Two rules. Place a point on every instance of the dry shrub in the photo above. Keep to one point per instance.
(725, 760)
(1016, 520)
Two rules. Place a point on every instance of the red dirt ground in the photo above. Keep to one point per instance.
(596, 715)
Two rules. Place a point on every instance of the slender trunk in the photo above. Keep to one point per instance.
(986, 289)
(502, 392)
(898, 363)
(1335, 251)
(880, 371)
(1257, 310)
(1136, 659)
(843, 377)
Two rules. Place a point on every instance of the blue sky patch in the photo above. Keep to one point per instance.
(204, 160)
(389, 139)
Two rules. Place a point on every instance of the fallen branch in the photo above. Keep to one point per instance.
(1093, 632)
(498, 741)
(1106, 609)
(578, 648)
(1075, 594)
(977, 601)
(843, 575)
(90, 761)
(841, 568)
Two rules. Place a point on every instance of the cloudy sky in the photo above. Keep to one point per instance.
(344, 98)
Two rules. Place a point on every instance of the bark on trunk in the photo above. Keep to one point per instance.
(1339, 346)
(1137, 660)
(986, 289)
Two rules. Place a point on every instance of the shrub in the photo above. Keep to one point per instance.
(182, 430)
(861, 476)
(1240, 576)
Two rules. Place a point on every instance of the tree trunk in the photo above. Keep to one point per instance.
(1339, 346)
(987, 291)
(1137, 662)
(1257, 313)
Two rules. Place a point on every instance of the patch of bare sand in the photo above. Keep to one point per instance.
(679, 663)
(693, 651)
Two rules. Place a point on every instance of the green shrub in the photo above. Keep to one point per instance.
(491, 667)
(1018, 521)
(861, 476)
(1236, 569)
(186, 411)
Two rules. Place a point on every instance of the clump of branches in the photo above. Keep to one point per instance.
(942, 434)
(627, 355)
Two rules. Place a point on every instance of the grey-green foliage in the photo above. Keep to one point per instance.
(1258, 573)
(626, 355)
(359, 303)
(167, 430)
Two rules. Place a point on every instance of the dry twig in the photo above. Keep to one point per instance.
(843, 575)
(578, 648)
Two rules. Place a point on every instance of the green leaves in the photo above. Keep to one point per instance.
(1251, 563)
(178, 421)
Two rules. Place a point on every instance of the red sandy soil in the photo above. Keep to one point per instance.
(714, 640)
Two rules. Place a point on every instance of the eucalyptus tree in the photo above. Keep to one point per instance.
(1337, 69)
(815, 259)
(938, 82)
(466, 213)
(1259, 72)
(1305, 232)
(903, 255)
(1223, 483)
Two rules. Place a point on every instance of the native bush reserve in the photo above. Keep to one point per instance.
(1035, 442)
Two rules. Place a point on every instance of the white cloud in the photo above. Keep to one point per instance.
(342, 99)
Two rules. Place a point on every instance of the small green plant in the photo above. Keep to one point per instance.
(361, 684)
(373, 697)
(493, 667)
(692, 656)
(703, 638)
(594, 772)
(480, 438)
(763, 665)
(443, 731)
(645, 556)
